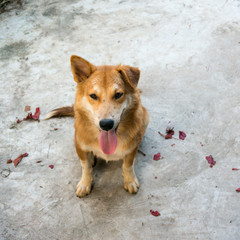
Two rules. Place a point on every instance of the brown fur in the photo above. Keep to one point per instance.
(128, 112)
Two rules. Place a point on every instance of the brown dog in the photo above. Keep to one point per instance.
(110, 120)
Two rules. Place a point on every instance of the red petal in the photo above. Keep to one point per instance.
(210, 160)
(19, 159)
(238, 190)
(38, 161)
(157, 156)
(36, 114)
(9, 161)
(235, 169)
(182, 135)
(168, 136)
(155, 213)
(169, 131)
(51, 166)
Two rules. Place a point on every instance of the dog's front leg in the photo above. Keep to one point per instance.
(130, 180)
(85, 184)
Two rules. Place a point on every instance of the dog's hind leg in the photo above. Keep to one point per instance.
(85, 184)
(130, 180)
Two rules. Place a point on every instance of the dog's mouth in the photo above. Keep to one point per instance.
(108, 141)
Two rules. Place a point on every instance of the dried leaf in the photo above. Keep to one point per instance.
(9, 161)
(19, 159)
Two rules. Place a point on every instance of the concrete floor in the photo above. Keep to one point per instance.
(188, 53)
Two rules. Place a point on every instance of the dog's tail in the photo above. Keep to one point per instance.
(61, 112)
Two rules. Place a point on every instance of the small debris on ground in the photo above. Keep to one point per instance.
(144, 154)
(19, 159)
(155, 213)
(9, 161)
(51, 166)
(5, 173)
(38, 161)
(182, 135)
(157, 157)
(35, 116)
(210, 161)
(235, 169)
(238, 190)
(27, 108)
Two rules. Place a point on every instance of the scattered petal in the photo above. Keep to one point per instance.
(9, 161)
(210, 160)
(55, 129)
(27, 108)
(201, 144)
(235, 169)
(155, 177)
(173, 144)
(19, 159)
(30, 116)
(155, 213)
(170, 131)
(157, 156)
(51, 166)
(36, 114)
(238, 190)
(182, 135)
(38, 161)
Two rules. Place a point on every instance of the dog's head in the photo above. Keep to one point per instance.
(105, 92)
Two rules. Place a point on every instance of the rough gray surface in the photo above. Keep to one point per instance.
(188, 53)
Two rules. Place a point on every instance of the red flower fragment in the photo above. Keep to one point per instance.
(235, 169)
(157, 156)
(210, 161)
(19, 159)
(9, 161)
(51, 166)
(238, 190)
(38, 161)
(182, 135)
(30, 116)
(36, 114)
(155, 213)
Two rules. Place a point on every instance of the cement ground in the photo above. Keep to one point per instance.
(188, 52)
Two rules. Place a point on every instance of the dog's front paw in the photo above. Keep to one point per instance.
(131, 186)
(83, 189)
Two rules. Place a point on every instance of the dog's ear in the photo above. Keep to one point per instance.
(130, 74)
(81, 68)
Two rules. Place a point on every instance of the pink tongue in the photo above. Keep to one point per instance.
(108, 141)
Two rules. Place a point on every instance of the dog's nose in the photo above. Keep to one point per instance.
(106, 124)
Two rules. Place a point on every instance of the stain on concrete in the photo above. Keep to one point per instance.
(16, 49)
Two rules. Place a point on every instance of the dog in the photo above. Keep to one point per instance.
(110, 120)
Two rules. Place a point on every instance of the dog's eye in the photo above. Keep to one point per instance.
(93, 96)
(118, 95)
